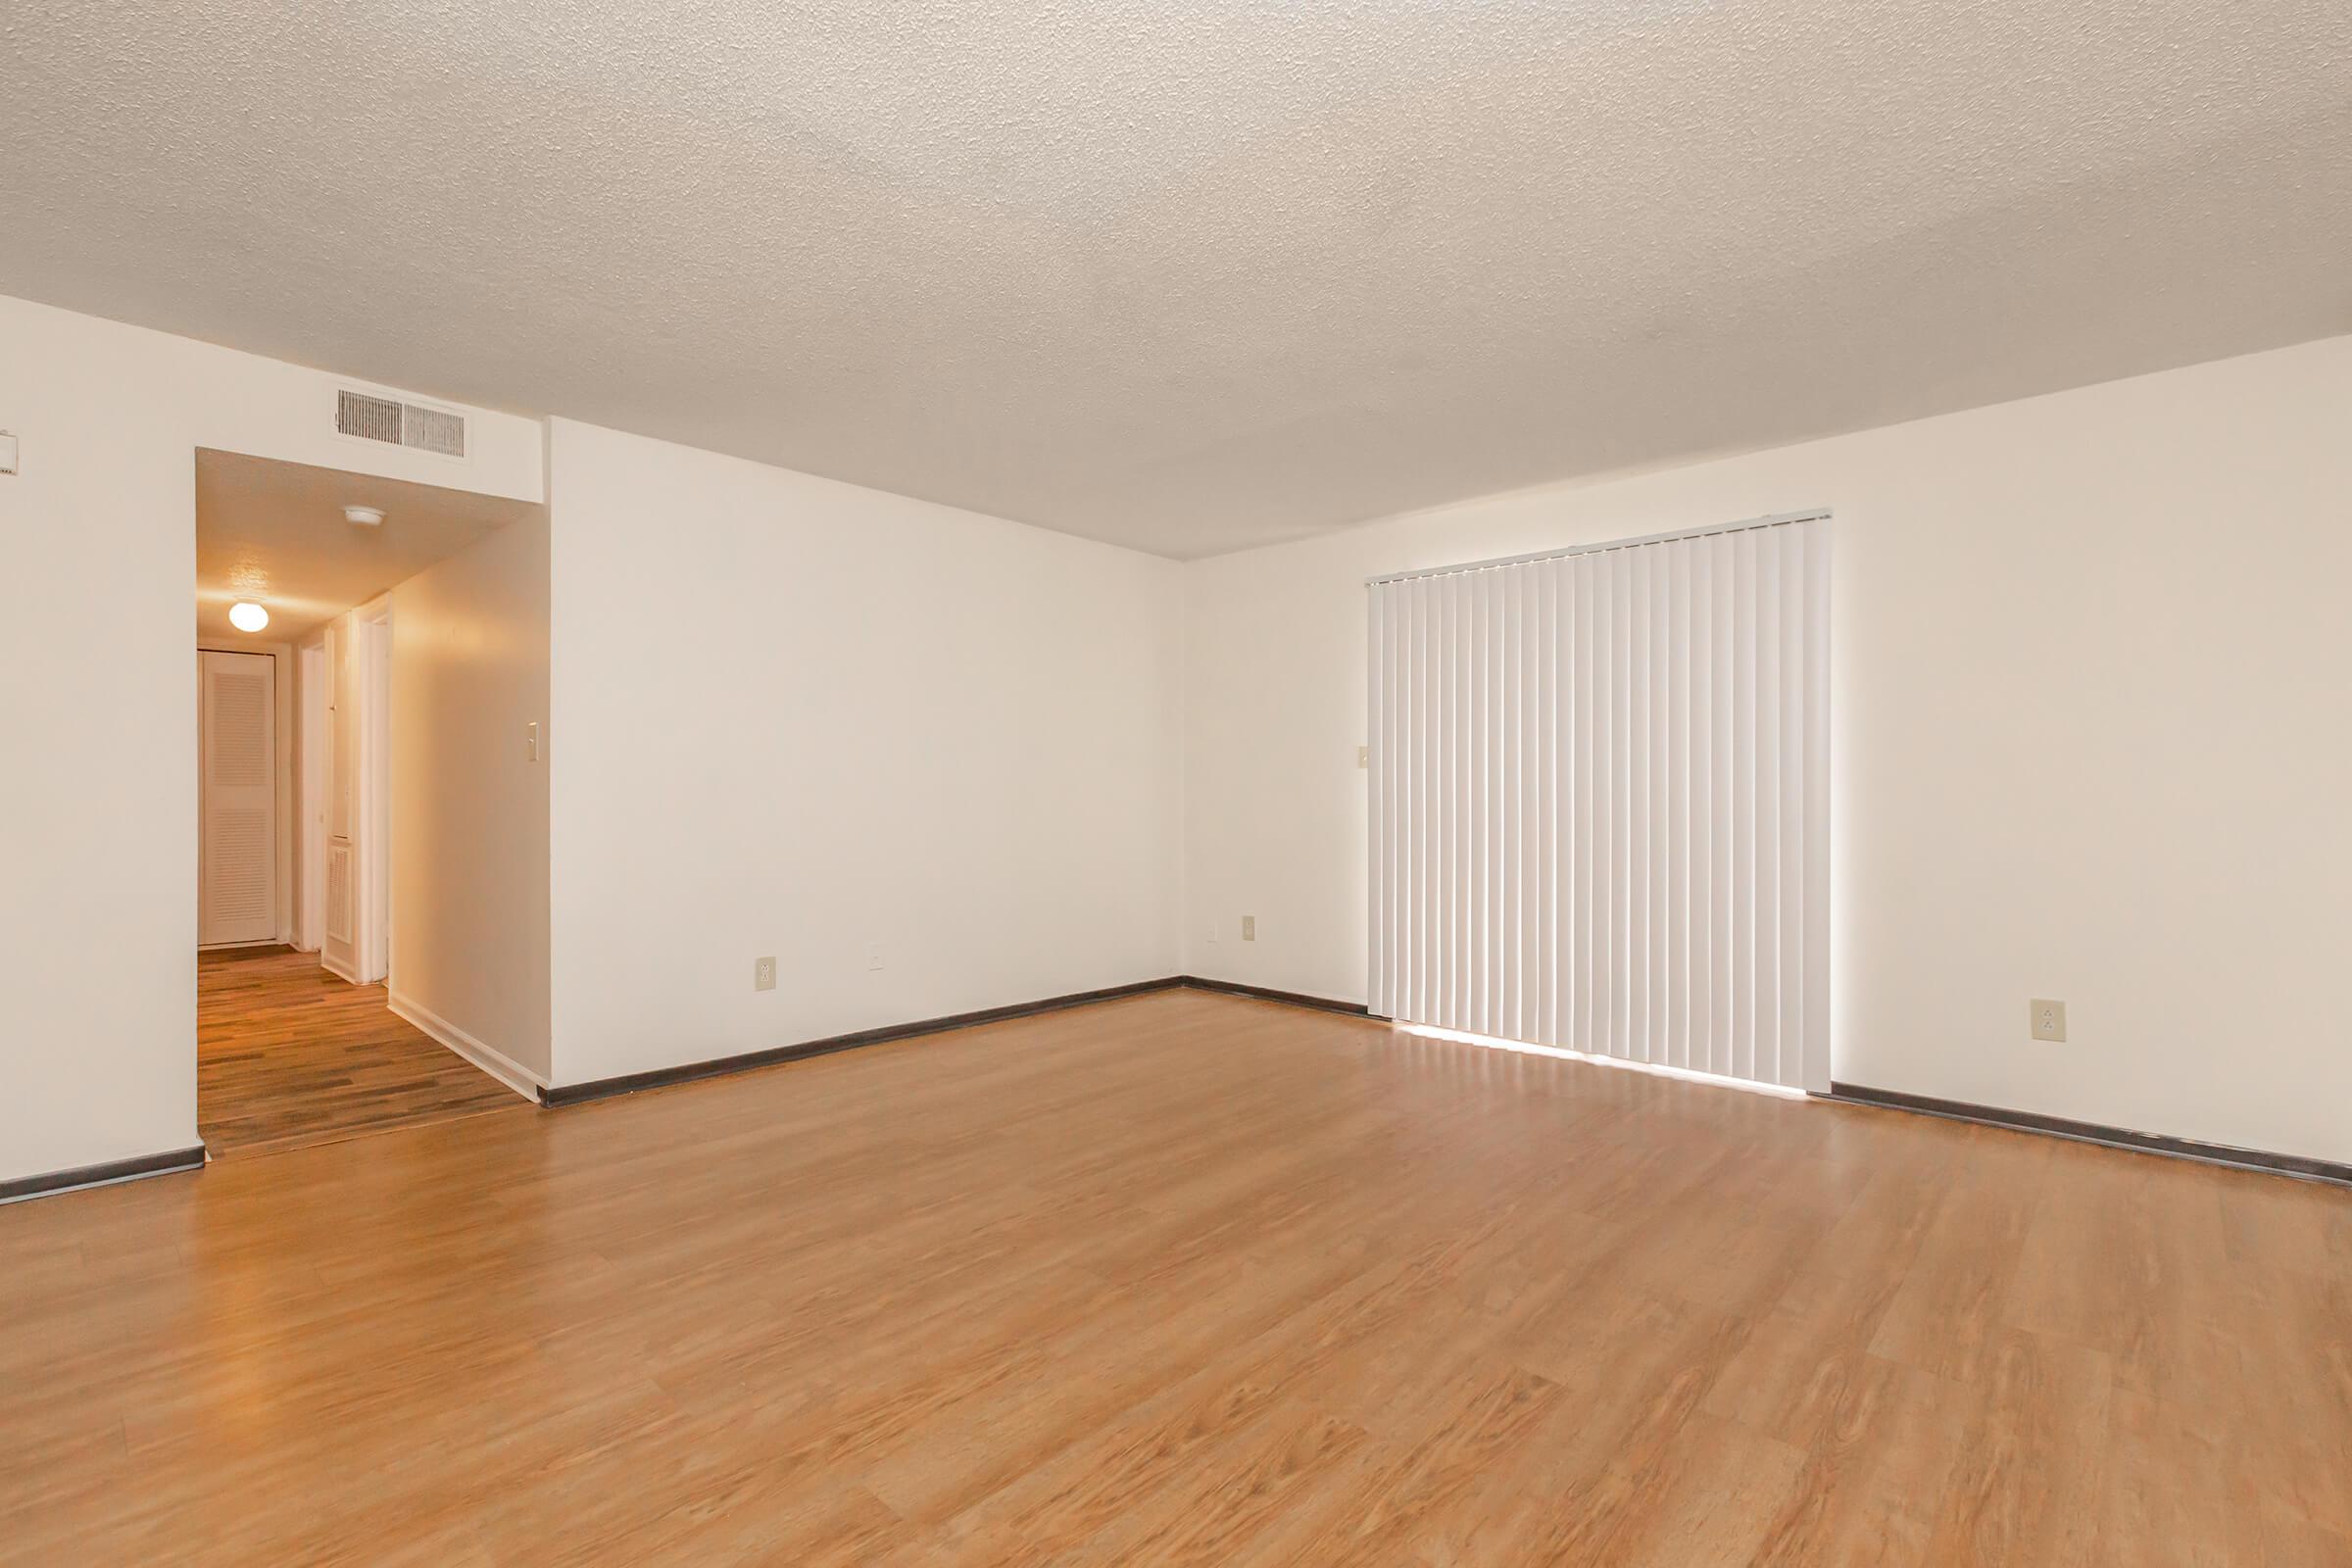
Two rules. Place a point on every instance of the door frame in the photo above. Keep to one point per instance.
(371, 944)
(310, 892)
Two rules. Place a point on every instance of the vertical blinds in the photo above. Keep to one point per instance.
(1599, 800)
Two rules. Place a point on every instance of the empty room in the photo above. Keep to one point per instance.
(1115, 783)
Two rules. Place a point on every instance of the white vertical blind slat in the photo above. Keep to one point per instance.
(1600, 801)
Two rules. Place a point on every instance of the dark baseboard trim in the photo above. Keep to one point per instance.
(2091, 1132)
(53, 1182)
(1234, 987)
(560, 1095)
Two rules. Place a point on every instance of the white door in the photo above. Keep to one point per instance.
(372, 642)
(339, 950)
(236, 855)
(309, 930)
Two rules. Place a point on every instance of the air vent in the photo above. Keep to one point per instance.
(369, 418)
(431, 430)
(400, 425)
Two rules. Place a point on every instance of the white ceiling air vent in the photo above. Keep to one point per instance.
(400, 425)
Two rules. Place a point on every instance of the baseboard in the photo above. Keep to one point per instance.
(337, 970)
(1296, 998)
(497, 1064)
(560, 1095)
(50, 1183)
(2262, 1159)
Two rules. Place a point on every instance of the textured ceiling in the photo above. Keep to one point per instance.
(1194, 276)
(275, 532)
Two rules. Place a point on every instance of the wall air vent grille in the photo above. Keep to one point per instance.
(400, 425)
(432, 431)
(369, 418)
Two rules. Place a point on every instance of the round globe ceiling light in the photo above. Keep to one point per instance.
(246, 615)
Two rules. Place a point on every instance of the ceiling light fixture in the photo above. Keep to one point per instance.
(365, 517)
(246, 615)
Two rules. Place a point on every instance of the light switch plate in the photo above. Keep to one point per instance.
(1363, 757)
(763, 974)
(530, 739)
(2049, 1019)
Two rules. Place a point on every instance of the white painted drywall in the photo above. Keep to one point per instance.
(468, 839)
(2092, 656)
(98, 800)
(799, 718)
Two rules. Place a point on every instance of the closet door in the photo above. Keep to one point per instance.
(237, 798)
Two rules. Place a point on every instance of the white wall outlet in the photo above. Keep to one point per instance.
(2049, 1019)
(1249, 928)
(1363, 757)
(763, 974)
(873, 955)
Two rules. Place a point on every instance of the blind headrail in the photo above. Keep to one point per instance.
(1778, 519)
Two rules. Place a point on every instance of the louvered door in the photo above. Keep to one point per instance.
(236, 797)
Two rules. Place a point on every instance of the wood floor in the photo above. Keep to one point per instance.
(288, 1054)
(1183, 1278)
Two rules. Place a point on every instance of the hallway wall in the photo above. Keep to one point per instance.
(470, 825)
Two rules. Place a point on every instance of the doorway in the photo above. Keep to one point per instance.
(304, 1035)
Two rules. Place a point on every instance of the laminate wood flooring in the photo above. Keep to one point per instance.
(287, 1054)
(1183, 1278)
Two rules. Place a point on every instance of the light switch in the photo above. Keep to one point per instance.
(530, 739)
(1363, 757)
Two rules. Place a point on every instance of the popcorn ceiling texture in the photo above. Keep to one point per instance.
(1195, 276)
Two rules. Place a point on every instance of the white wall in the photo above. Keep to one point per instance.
(98, 802)
(469, 824)
(2091, 653)
(2093, 664)
(798, 718)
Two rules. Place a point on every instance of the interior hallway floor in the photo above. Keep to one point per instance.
(288, 1054)
(1183, 1278)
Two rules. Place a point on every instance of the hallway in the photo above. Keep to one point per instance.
(288, 1054)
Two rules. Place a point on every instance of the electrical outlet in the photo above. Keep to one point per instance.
(873, 955)
(763, 974)
(2049, 1019)
(1213, 927)
(1249, 928)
